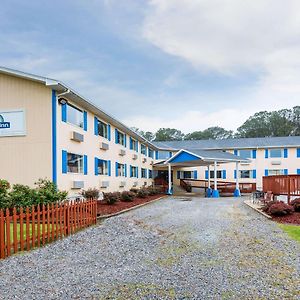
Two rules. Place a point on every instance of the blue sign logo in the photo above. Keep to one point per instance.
(3, 124)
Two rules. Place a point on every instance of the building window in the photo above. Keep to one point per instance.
(212, 174)
(102, 167)
(134, 171)
(186, 175)
(120, 138)
(150, 152)
(143, 173)
(74, 116)
(120, 170)
(133, 144)
(276, 172)
(245, 174)
(75, 163)
(245, 153)
(102, 129)
(150, 173)
(163, 155)
(276, 153)
(143, 149)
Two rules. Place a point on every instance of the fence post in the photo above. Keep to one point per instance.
(32, 227)
(2, 237)
(7, 232)
(21, 229)
(27, 229)
(15, 229)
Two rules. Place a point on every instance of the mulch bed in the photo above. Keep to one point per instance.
(294, 218)
(107, 209)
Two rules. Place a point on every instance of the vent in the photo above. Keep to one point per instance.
(104, 146)
(122, 152)
(134, 157)
(77, 184)
(77, 137)
(245, 164)
(104, 184)
(122, 183)
(275, 162)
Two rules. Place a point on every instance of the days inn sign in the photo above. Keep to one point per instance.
(12, 123)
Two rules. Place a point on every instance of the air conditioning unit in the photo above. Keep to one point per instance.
(104, 184)
(122, 152)
(77, 184)
(122, 183)
(77, 137)
(104, 146)
(144, 159)
(134, 156)
(276, 162)
(135, 183)
(245, 164)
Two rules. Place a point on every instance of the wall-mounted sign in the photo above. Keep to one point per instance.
(12, 123)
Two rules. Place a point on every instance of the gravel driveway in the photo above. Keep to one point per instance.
(171, 249)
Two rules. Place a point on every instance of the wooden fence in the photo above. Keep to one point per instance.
(35, 226)
(287, 185)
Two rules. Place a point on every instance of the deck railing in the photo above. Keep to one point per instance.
(24, 229)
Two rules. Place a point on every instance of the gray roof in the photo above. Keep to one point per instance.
(216, 155)
(250, 143)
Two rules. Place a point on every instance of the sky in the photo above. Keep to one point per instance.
(185, 64)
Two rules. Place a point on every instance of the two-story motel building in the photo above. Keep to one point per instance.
(47, 130)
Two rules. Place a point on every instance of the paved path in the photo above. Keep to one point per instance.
(171, 249)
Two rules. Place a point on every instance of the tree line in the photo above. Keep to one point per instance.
(284, 122)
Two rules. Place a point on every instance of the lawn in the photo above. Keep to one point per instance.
(24, 230)
(293, 231)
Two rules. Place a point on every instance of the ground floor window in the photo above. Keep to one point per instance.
(143, 173)
(212, 174)
(133, 171)
(150, 174)
(276, 172)
(75, 163)
(246, 174)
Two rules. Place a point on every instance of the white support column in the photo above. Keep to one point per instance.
(237, 192)
(215, 193)
(208, 190)
(170, 179)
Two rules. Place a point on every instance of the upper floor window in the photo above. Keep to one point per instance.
(75, 163)
(102, 129)
(143, 149)
(163, 154)
(143, 173)
(245, 153)
(133, 144)
(120, 169)
(133, 171)
(102, 167)
(120, 138)
(75, 115)
(276, 153)
(150, 152)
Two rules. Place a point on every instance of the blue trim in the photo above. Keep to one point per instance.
(183, 157)
(285, 171)
(266, 153)
(195, 174)
(170, 154)
(116, 169)
(137, 146)
(63, 111)
(85, 121)
(209, 192)
(254, 154)
(223, 174)
(54, 138)
(254, 174)
(206, 174)
(285, 153)
(125, 140)
(125, 169)
(215, 194)
(298, 171)
(109, 167)
(64, 162)
(96, 126)
(108, 132)
(266, 172)
(85, 164)
(96, 166)
(298, 152)
(130, 143)
(234, 174)
(156, 154)
(116, 136)
(237, 193)
(235, 152)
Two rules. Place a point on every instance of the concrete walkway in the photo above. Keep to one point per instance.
(176, 248)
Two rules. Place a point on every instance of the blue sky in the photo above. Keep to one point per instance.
(186, 64)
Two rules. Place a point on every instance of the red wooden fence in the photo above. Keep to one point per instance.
(288, 185)
(35, 226)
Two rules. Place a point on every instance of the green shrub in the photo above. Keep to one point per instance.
(91, 193)
(111, 198)
(127, 196)
(23, 196)
(143, 193)
(134, 190)
(4, 199)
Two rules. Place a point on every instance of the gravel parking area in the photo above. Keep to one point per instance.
(170, 249)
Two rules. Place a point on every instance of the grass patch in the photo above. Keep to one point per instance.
(30, 230)
(293, 231)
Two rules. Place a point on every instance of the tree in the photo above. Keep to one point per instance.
(168, 134)
(210, 133)
(148, 135)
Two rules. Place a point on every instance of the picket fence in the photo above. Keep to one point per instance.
(27, 228)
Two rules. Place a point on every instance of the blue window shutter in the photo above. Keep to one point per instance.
(224, 174)
(266, 153)
(137, 172)
(130, 143)
(178, 174)
(195, 174)
(64, 112)
(109, 167)
(206, 174)
(85, 164)
(170, 154)
(116, 169)
(125, 140)
(266, 172)
(235, 152)
(298, 152)
(125, 166)
(156, 154)
(137, 146)
(64, 159)
(234, 174)
(108, 132)
(285, 153)
(96, 126)
(298, 171)
(96, 166)
(285, 171)
(116, 136)
(253, 154)
(254, 174)
(130, 170)
(85, 120)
